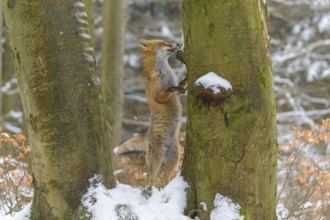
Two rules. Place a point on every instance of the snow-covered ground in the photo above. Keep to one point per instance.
(22, 215)
(126, 202)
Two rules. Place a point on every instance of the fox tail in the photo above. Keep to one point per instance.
(135, 144)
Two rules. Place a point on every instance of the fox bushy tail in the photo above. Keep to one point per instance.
(135, 144)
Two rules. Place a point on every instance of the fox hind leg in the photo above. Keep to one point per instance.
(154, 159)
(170, 163)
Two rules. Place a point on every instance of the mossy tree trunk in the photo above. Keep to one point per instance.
(114, 25)
(61, 95)
(231, 140)
(1, 63)
(8, 76)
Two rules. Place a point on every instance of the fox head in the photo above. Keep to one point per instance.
(157, 48)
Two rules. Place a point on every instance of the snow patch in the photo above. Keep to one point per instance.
(79, 5)
(83, 29)
(15, 114)
(135, 203)
(306, 205)
(165, 30)
(281, 211)
(324, 24)
(8, 85)
(316, 70)
(204, 206)
(81, 14)
(213, 81)
(225, 209)
(85, 36)
(82, 21)
(12, 128)
(89, 49)
(22, 215)
(96, 80)
(308, 33)
(89, 58)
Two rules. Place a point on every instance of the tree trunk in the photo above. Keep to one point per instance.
(10, 97)
(231, 139)
(114, 24)
(1, 63)
(60, 91)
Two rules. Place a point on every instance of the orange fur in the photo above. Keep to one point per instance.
(162, 91)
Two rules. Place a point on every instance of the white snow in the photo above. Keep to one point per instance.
(165, 30)
(225, 209)
(134, 203)
(79, 5)
(308, 33)
(85, 36)
(15, 114)
(126, 202)
(204, 206)
(324, 24)
(12, 128)
(22, 215)
(8, 85)
(83, 29)
(89, 49)
(82, 21)
(315, 70)
(81, 14)
(89, 58)
(96, 80)
(306, 205)
(213, 81)
(281, 211)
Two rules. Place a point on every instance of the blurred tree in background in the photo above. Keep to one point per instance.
(113, 45)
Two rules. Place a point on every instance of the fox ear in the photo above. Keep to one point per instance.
(143, 43)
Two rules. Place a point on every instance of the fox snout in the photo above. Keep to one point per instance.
(174, 47)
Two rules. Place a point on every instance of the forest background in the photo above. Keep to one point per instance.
(301, 74)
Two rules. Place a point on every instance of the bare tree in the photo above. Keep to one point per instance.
(115, 17)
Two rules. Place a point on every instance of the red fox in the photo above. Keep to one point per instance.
(162, 90)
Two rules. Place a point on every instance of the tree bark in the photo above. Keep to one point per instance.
(8, 100)
(231, 138)
(1, 63)
(61, 95)
(114, 25)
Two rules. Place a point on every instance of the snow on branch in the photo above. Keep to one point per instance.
(283, 56)
(213, 81)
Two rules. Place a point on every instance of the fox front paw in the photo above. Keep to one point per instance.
(182, 90)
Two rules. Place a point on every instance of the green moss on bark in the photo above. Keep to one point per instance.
(60, 92)
(231, 145)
